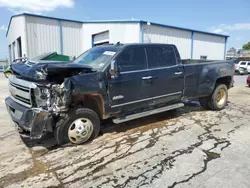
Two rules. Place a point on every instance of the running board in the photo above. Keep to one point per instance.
(147, 113)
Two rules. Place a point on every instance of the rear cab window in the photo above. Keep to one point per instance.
(161, 56)
(132, 59)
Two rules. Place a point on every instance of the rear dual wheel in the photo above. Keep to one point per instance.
(218, 99)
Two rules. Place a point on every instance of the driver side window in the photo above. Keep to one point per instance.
(132, 59)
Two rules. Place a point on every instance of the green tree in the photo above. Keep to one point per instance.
(246, 46)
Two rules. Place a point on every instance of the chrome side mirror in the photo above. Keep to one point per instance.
(114, 70)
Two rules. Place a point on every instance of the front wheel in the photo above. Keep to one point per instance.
(79, 126)
(219, 97)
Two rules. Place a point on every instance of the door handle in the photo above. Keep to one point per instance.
(147, 77)
(178, 73)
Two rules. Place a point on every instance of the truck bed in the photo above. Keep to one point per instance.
(200, 76)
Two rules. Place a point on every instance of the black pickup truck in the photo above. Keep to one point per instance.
(122, 82)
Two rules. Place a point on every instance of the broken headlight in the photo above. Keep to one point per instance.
(42, 96)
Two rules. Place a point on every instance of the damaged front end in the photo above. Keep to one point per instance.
(40, 96)
(50, 102)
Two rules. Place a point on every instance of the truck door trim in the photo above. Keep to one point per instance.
(160, 96)
(168, 67)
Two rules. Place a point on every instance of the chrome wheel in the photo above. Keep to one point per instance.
(221, 97)
(80, 130)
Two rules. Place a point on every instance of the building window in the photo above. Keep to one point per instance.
(203, 57)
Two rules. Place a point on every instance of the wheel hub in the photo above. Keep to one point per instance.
(80, 130)
(221, 97)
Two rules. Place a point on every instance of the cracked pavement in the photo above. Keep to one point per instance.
(189, 147)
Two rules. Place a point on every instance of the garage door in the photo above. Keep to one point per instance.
(101, 38)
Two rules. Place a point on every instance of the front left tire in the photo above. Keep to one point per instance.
(79, 126)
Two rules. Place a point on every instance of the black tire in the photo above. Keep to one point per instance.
(204, 102)
(63, 125)
(213, 104)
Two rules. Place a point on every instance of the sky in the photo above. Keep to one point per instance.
(220, 16)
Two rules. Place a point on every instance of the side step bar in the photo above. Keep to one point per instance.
(147, 113)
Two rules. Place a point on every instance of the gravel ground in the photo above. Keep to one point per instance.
(188, 148)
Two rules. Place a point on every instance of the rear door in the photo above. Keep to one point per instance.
(248, 66)
(167, 74)
(127, 90)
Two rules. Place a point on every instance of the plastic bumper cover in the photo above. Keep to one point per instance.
(34, 120)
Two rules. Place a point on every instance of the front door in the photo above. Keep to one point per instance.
(127, 90)
(167, 75)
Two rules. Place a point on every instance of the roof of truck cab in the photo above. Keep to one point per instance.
(146, 44)
(116, 21)
(121, 45)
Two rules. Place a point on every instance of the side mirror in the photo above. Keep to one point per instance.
(114, 70)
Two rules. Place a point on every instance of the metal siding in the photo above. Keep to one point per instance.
(17, 29)
(118, 32)
(208, 45)
(180, 38)
(72, 38)
(43, 35)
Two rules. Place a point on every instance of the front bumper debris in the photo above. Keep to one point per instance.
(35, 120)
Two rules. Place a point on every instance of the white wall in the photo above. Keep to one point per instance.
(159, 34)
(17, 29)
(43, 36)
(208, 45)
(72, 38)
(118, 32)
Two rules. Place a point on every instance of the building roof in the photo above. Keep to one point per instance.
(115, 21)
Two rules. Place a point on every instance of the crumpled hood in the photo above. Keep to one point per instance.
(48, 70)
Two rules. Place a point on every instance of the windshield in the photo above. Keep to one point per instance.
(97, 57)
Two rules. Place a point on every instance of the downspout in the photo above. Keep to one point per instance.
(26, 39)
(141, 32)
(192, 45)
(61, 36)
(225, 48)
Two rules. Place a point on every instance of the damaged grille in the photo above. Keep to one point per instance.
(20, 91)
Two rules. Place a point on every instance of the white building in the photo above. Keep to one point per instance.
(32, 35)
